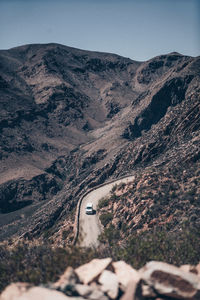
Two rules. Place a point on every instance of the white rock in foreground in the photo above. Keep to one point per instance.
(69, 277)
(90, 292)
(130, 291)
(189, 268)
(109, 283)
(14, 292)
(92, 270)
(171, 281)
(198, 269)
(125, 273)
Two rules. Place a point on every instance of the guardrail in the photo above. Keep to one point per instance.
(77, 215)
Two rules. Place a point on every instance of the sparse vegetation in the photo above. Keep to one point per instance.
(106, 218)
(103, 202)
(176, 248)
(38, 263)
(65, 234)
(114, 188)
(43, 263)
(155, 198)
(110, 235)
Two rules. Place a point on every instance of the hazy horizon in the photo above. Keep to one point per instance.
(136, 29)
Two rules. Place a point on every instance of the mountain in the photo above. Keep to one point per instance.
(71, 119)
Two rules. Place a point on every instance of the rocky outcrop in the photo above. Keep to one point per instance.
(91, 270)
(169, 95)
(125, 273)
(101, 279)
(109, 284)
(171, 281)
(17, 291)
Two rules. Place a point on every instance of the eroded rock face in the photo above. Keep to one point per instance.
(170, 281)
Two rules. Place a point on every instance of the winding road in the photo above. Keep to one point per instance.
(89, 226)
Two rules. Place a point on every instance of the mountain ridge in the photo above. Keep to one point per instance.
(71, 119)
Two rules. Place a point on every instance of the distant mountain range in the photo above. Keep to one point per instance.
(72, 119)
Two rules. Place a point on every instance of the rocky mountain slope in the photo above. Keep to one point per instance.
(71, 119)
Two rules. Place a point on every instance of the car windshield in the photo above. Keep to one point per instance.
(89, 205)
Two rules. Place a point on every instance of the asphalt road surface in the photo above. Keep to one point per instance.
(90, 228)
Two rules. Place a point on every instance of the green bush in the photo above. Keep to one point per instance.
(114, 197)
(38, 263)
(121, 186)
(103, 203)
(172, 247)
(110, 235)
(106, 218)
(114, 188)
(65, 234)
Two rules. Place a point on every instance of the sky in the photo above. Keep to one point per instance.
(138, 29)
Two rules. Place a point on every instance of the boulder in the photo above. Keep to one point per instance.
(92, 292)
(83, 290)
(198, 269)
(130, 293)
(14, 290)
(171, 281)
(34, 293)
(90, 271)
(125, 273)
(147, 291)
(97, 295)
(66, 281)
(189, 268)
(109, 283)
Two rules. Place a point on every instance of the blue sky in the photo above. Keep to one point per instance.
(139, 29)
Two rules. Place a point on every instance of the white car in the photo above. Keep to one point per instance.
(89, 209)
